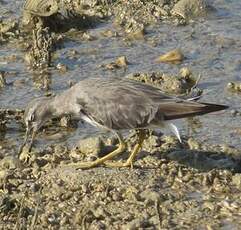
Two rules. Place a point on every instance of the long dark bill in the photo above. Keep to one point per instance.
(27, 134)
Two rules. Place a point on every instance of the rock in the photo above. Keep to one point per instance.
(174, 56)
(234, 87)
(236, 180)
(185, 72)
(61, 15)
(138, 223)
(170, 84)
(109, 33)
(231, 151)
(190, 8)
(150, 197)
(134, 29)
(121, 61)
(62, 67)
(39, 55)
(193, 144)
(88, 37)
(2, 79)
(3, 122)
(42, 8)
(91, 146)
(8, 26)
(9, 162)
(3, 175)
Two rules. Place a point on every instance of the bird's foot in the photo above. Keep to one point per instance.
(25, 155)
(83, 165)
(92, 164)
(119, 164)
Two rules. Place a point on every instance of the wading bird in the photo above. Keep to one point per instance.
(114, 104)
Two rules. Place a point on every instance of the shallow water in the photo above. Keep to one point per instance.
(212, 48)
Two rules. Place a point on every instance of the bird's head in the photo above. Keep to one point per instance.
(37, 112)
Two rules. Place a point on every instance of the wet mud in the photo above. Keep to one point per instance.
(187, 48)
(171, 186)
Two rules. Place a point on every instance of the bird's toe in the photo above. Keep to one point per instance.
(25, 155)
(118, 164)
(82, 165)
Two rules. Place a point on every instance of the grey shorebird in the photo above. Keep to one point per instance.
(113, 104)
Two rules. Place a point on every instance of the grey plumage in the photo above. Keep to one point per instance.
(114, 104)
(125, 104)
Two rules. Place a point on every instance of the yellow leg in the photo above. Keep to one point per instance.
(129, 163)
(91, 164)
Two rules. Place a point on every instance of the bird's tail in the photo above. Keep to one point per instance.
(184, 109)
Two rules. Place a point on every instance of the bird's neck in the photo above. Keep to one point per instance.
(55, 106)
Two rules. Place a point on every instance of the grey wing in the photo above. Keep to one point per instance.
(119, 105)
(123, 113)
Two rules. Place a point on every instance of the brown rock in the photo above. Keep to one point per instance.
(174, 56)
